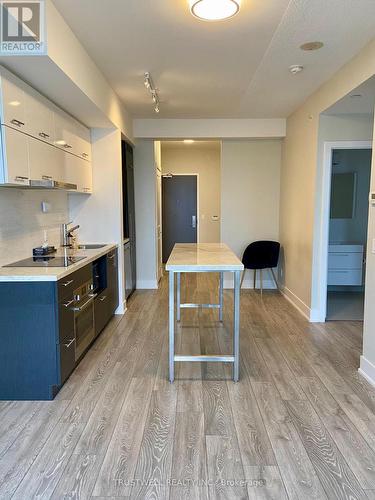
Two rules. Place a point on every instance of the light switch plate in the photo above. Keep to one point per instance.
(46, 207)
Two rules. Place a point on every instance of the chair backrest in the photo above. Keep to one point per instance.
(261, 255)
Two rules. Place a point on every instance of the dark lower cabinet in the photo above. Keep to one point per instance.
(66, 358)
(107, 301)
(101, 311)
(112, 280)
(37, 331)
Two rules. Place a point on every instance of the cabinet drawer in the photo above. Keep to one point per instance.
(67, 285)
(66, 356)
(102, 311)
(66, 318)
(350, 277)
(339, 260)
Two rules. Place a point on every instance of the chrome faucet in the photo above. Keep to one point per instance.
(67, 234)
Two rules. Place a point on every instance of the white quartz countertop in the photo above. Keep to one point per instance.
(197, 257)
(8, 274)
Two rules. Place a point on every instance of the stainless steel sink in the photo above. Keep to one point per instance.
(94, 246)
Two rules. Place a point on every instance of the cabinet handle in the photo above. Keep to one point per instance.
(69, 343)
(85, 155)
(67, 283)
(67, 146)
(21, 178)
(111, 256)
(86, 304)
(67, 304)
(44, 135)
(46, 177)
(17, 122)
(102, 299)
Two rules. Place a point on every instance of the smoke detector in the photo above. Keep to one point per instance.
(310, 46)
(295, 68)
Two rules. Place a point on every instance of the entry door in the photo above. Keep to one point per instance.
(179, 211)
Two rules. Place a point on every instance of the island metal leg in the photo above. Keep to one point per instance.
(221, 286)
(236, 324)
(178, 297)
(171, 326)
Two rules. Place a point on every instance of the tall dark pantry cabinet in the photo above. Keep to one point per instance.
(129, 218)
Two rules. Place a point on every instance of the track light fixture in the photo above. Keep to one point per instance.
(153, 91)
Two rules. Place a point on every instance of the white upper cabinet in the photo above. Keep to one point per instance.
(13, 105)
(72, 136)
(40, 142)
(83, 142)
(46, 162)
(39, 118)
(79, 172)
(15, 158)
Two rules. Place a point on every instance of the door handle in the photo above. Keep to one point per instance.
(193, 221)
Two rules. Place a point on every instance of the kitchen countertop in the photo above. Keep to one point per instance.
(19, 274)
(203, 257)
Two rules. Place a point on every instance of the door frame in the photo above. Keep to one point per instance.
(320, 262)
(198, 212)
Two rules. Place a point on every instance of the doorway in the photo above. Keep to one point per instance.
(179, 211)
(347, 242)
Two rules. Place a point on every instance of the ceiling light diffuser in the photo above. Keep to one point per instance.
(214, 10)
(188, 141)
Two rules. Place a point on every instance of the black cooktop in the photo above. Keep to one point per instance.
(46, 261)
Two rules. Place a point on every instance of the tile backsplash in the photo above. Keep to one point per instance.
(22, 222)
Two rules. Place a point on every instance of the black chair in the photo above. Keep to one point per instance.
(261, 255)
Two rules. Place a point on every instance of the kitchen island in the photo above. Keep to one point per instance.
(203, 258)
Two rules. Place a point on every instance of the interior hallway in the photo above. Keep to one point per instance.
(299, 424)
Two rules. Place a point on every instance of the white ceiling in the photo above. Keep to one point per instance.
(360, 100)
(229, 69)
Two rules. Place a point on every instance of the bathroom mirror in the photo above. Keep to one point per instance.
(343, 192)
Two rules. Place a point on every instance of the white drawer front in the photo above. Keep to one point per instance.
(350, 277)
(339, 260)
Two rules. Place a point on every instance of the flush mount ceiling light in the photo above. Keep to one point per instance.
(309, 46)
(148, 83)
(214, 10)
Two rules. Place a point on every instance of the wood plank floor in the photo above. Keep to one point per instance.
(300, 424)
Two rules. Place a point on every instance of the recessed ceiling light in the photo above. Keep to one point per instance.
(188, 141)
(295, 68)
(214, 10)
(309, 46)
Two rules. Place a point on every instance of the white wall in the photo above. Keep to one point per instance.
(22, 222)
(250, 195)
(204, 160)
(331, 128)
(100, 215)
(149, 128)
(145, 213)
(300, 174)
(368, 358)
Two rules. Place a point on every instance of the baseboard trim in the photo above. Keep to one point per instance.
(121, 310)
(296, 302)
(147, 285)
(367, 370)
